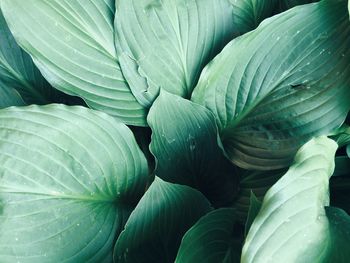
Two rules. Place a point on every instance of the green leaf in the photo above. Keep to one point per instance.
(9, 97)
(274, 88)
(154, 230)
(254, 208)
(256, 182)
(69, 177)
(165, 44)
(287, 4)
(185, 144)
(292, 225)
(249, 13)
(211, 239)
(72, 43)
(340, 184)
(21, 82)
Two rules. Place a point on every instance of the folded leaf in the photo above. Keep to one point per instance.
(274, 88)
(211, 239)
(21, 82)
(154, 230)
(72, 43)
(69, 177)
(292, 225)
(165, 44)
(185, 144)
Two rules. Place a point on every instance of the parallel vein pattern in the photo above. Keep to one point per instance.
(65, 171)
(72, 43)
(281, 84)
(292, 225)
(166, 43)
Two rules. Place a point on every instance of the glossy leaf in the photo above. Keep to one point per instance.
(69, 177)
(211, 239)
(155, 228)
(276, 87)
(21, 82)
(72, 43)
(165, 44)
(185, 144)
(292, 225)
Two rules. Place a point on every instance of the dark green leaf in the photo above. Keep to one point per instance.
(72, 43)
(69, 177)
(211, 239)
(165, 44)
(254, 208)
(276, 87)
(185, 144)
(155, 228)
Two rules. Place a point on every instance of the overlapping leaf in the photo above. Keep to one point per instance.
(72, 43)
(185, 144)
(20, 81)
(293, 225)
(276, 87)
(165, 44)
(155, 228)
(69, 177)
(211, 239)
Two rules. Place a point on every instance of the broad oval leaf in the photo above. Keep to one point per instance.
(185, 145)
(155, 228)
(21, 82)
(165, 44)
(211, 239)
(292, 225)
(280, 84)
(72, 43)
(69, 177)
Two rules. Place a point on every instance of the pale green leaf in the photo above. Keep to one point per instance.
(273, 89)
(185, 145)
(72, 43)
(155, 228)
(21, 82)
(69, 177)
(165, 44)
(211, 239)
(292, 225)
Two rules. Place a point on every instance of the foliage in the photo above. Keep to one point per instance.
(174, 131)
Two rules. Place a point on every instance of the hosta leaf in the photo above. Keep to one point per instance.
(165, 44)
(21, 82)
(185, 144)
(72, 43)
(287, 4)
(292, 225)
(256, 182)
(274, 88)
(9, 97)
(211, 239)
(249, 13)
(154, 230)
(69, 177)
(254, 208)
(340, 184)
